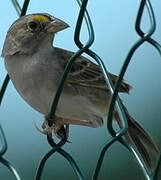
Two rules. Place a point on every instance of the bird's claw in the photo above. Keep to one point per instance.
(60, 130)
(46, 129)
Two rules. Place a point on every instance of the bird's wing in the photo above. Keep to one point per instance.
(86, 73)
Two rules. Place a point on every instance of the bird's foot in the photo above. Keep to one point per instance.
(60, 130)
(46, 129)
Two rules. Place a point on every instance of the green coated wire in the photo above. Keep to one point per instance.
(100, 62)
(16, 6)
(24, 7)
(79, 24)
(132, 50)
(147, 4)
(3, 88)
(88, 23)
(130, 54)
(72, 163)
(4, 147)
(67, 156)
(119, 135)
(42, 162)
(63, 153)
(10, 167)
(158, 47)
(47, 155)
(72, 59)
(110, 84)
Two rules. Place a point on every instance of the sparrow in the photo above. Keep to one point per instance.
(35, 68)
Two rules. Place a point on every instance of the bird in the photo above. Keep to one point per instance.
(35, 67)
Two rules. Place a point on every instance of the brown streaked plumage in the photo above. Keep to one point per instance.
(86, 73)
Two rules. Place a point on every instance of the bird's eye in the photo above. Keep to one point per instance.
(33, 26)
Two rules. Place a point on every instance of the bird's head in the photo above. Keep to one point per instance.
(28, 32)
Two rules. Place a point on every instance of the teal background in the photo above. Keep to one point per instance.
(114, 35)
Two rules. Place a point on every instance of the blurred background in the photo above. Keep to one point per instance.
(114, 35)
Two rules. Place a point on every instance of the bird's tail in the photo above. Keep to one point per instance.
(141, 141)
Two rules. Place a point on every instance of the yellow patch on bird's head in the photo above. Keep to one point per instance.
(41, 18)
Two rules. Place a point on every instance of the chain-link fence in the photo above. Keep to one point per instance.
(85, 48)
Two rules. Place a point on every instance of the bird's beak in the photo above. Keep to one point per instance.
(56, 25)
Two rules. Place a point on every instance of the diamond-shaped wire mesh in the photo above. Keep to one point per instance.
(85, 48)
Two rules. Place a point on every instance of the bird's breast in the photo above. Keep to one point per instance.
(37, 84)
